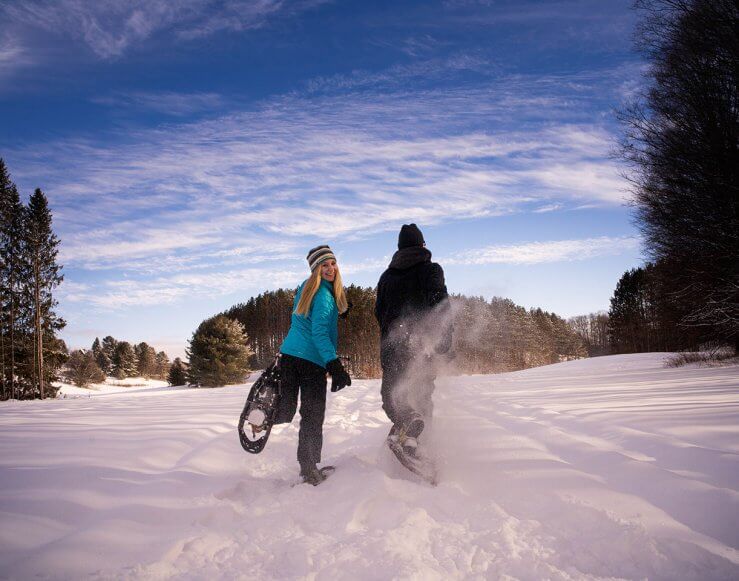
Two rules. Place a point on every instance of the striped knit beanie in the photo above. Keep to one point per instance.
(318, 255)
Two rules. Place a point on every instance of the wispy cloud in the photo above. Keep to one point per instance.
(121, 294)
(548, 208)
(13, 55)
(420, 45)
(544, 252)
(330, 167)
(111, 27)
(423, 72)
(168, 103)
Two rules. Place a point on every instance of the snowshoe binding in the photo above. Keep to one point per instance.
(403, 442)
(258, 415)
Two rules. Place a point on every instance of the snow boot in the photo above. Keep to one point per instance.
(415, 426)
(314, 475)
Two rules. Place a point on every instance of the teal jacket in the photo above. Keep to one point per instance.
(314, 337)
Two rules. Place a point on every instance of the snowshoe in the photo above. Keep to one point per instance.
(258, 415)
(405, 447)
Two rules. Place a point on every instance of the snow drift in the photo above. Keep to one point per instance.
(615, 467)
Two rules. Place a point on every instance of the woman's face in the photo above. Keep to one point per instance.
(328, 270)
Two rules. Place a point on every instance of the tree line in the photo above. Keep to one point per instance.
(490, 336)
(30, 351)
(681, 143)
(121, 359)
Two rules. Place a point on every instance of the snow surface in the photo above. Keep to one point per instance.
(614, 467)
(112, 385)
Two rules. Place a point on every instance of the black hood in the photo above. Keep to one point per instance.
(408, 257)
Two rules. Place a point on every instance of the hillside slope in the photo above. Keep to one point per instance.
(613, 467)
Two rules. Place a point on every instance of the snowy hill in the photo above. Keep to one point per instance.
(615, 467)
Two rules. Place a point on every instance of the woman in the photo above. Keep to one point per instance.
(309, 350)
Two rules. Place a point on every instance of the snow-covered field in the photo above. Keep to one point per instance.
(605, 468)
(112, 385)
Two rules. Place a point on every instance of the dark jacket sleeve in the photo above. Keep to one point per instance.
(435, 286)
(378, 301)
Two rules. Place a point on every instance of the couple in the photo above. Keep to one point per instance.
(409, 291)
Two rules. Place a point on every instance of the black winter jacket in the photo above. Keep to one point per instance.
(408, 290)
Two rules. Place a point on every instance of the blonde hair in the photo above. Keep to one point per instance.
(310, 288)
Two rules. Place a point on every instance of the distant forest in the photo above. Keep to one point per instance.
(490, 336)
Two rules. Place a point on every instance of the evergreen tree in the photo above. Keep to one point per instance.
(218, 353)
(101, 358)
(124, 361)
(109, 344)
(43, 276)
(145, 360)
(177, 373)
(11, 251)
(162, 365)
(627, 315)
(104, 362)
(82, 369)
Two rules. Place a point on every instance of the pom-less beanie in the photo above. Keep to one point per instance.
(410, 235)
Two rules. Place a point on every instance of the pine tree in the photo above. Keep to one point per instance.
(218, 353)
(43, 276)
(162, 365)
(145, 360)
(124, 361)
(105, 361)
(11, 248)
(101, 358)
(177, 373)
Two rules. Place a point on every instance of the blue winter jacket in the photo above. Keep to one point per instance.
(314, 337)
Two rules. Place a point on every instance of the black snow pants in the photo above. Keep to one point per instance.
(407, 384)
(304, 377)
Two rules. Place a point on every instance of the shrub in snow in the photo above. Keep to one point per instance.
(717, 356)
(82, 369)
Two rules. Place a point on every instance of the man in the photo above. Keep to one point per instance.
(412, 309)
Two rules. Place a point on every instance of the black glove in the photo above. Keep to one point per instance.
(339, 377)
(344, 315)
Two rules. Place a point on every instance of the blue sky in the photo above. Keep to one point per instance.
(194, 150)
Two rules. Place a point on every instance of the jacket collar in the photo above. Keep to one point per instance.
(411, 256)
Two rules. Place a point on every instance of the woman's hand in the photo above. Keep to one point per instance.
(339, 377)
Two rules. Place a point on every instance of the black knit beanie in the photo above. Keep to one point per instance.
(410, 235)
(318, 255)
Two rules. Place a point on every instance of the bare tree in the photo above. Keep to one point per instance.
(682, 144)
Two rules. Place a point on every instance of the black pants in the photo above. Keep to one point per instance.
(309, 379)
(407, 384)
